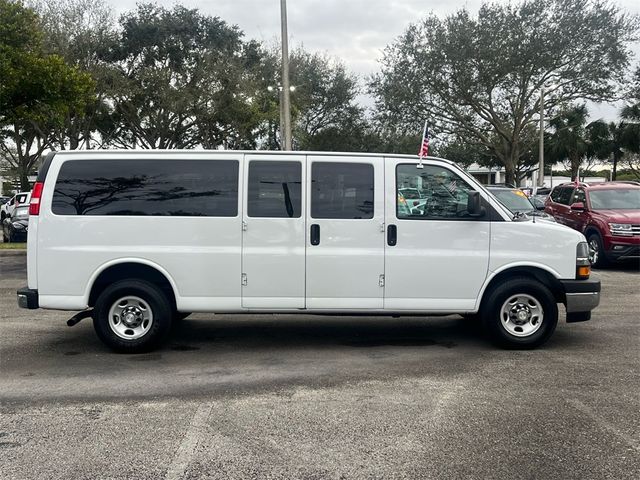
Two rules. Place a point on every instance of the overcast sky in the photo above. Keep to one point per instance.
(356, 31)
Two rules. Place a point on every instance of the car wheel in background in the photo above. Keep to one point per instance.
(596, 254)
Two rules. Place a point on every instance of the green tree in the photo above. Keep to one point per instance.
(36, 92)
(568, 143)
(181, 79)
(325, 113)
(479, 78)
(631, 117)
(80, 31)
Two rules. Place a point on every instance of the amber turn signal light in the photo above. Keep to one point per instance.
(583, 272)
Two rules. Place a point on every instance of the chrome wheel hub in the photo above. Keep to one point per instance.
(593, 251)
(521, 315)
(130, 317)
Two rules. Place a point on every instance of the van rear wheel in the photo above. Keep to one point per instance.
(520, 314)
(132, 316)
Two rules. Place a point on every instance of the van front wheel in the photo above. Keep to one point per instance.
(132, 316)
(521, 313)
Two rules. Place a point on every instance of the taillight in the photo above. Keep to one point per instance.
(36, 194)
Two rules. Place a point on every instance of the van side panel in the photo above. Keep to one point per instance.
(201, 255)
(525, 243)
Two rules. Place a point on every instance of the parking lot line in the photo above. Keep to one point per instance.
(185, 452)
(605, 425)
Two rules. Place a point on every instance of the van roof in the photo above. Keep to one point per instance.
(251, 152)
(42, 173)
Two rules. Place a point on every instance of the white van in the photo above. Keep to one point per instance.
(136, 239)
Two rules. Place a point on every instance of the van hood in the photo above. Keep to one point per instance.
(620, 216)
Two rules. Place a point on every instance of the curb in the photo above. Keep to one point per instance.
(9, 253)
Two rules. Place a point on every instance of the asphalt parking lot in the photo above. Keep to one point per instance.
(320, 397)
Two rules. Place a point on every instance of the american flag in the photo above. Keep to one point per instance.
(424, 148)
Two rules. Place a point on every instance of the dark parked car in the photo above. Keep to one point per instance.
(518, 202)
(607, 213)
(14, 228)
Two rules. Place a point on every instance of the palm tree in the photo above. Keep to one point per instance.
(568, 138)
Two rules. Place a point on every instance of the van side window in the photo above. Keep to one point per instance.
(341, 190)
(430, 193)
(189, 188)
(274, 189)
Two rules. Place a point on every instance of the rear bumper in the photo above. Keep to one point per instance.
(581, 296)
(28, 298)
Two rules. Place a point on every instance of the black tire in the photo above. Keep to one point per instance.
(598, 258)
(519, 288)
(179, 316)
(157, 329)
(471, 318)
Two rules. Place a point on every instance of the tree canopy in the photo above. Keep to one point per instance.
(479, 77)
(37, 90)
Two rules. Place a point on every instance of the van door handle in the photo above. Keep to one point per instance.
(392, 235)
(315, 234)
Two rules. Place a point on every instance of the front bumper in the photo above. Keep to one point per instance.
(581, 296)
(28, 298)
(619, 248)
(623, 252)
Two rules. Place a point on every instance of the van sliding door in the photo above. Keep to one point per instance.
(345, 237)
(273, 237)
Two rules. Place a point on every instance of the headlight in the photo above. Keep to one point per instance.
(622, 229)
(19, 226)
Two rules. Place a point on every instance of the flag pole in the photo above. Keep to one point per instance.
(424, 135)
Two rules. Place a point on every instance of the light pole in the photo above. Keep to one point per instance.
(286, 106)
(280, 88)
(541, 147)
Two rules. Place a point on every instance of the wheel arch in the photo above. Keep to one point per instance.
(591, 228)
(123, 269)
(543, 275)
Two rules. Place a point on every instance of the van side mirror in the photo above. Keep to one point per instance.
(474, 208)
(578, 207)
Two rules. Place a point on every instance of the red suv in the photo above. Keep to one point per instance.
(607, 213)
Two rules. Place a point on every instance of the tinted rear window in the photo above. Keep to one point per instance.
(147, 187)
(274, 189)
